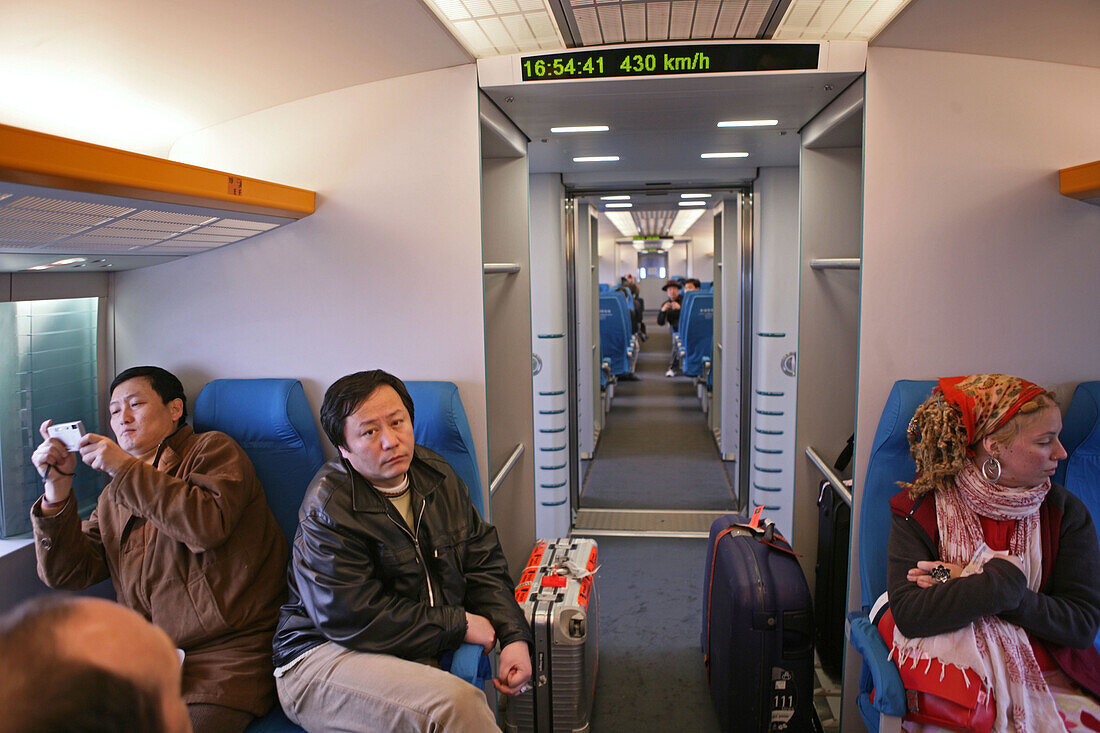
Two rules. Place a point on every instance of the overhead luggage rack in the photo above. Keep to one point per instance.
(1081, 182)
(67, 197)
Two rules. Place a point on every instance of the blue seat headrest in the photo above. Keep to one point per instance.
(1080, 472)
(440, 424)
(889, 463)
(272, 421)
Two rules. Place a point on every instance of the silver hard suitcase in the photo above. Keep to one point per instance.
(557, 592)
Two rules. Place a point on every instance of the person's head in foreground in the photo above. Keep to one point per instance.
(86, 664)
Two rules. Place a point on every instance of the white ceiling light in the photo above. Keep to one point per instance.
(67, 261)
(619, 206)
(614, 198)
(599, 159)
(581, 128)
(684, 221)
(623, 221)
(510, 27)
(721, 155)
(695, 195)
(748, 123)
(693, 203)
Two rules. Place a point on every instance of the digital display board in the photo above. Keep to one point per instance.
(629, 61)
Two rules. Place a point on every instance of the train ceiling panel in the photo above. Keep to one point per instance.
(597, 22)
(489, 28)
(65, 197)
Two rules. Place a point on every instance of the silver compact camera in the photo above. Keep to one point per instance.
(68, 433)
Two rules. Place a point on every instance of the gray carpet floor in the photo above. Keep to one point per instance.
(656, 451)
(651, 675)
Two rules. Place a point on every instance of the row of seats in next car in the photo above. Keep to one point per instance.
(272, 421)
(618, 342)
(695, 341)
(882, 696)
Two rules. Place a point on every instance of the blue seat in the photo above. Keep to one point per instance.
(889, 463)
(696, 333)
(604, 287)
(615, 333)
(1080, 472)
(441, 425)
(273, 423)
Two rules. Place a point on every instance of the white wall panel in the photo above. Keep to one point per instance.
(775, 291)
(549, 342)
(387, 272)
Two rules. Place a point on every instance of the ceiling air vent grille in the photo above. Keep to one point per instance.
(74, 224)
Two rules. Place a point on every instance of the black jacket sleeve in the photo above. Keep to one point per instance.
(952, 605)
(1067, 610)
(340, 586)
(489, 588)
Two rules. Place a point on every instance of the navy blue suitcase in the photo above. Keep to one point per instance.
(757, 630)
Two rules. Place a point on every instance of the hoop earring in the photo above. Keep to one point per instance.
(989, 465)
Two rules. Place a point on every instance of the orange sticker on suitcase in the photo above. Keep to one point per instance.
(592, 559)
(522, 591)
(586, 590)
(536, 555)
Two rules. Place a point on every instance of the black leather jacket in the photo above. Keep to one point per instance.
(357, 577)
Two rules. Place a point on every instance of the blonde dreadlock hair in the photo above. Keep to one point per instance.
(938, 442)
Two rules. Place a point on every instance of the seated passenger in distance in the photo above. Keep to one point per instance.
(85, 664)
(392, 567)
(670, 314)
(184, 532)
(992, 567)
(692, 284)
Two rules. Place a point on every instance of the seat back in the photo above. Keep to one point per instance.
(440, 425)
(272, 421)
(614, 332)
(685, 300)
(1080, 472)
(697, 332)
(889, 463)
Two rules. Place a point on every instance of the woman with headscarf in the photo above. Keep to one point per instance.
(991, 567)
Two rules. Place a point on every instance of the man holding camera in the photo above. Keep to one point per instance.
(183, 531)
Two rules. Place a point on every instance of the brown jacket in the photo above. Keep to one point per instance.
(192, 546)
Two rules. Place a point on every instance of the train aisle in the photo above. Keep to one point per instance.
(653, 488)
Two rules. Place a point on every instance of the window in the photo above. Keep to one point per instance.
(48, 370)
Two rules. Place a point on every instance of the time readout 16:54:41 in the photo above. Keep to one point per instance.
(559, 67)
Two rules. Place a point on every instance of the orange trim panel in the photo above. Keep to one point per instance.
(1081, 181)
(26, 155)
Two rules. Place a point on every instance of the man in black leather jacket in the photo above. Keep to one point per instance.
(392, 567)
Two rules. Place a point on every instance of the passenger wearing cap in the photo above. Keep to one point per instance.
(991, 567)
(670, 314)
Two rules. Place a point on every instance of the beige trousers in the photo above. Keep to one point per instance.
(331, 688)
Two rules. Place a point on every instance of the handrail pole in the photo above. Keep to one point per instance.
(505, 469)
(502, 268)
(835, 481)
(836, 263)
